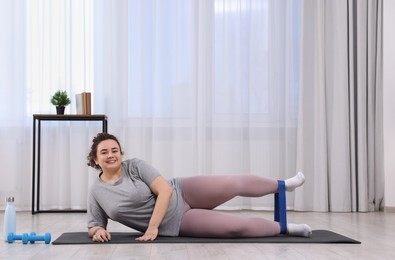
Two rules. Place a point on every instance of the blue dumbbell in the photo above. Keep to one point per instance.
(46, 238)
(12, 237)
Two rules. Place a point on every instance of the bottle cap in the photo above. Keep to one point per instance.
(10, 199)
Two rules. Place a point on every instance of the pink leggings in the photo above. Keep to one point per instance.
(204, 193)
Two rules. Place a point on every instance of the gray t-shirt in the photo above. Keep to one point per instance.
(130, 201)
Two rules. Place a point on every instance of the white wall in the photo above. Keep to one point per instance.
(389, 103)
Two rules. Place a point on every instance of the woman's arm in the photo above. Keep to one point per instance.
(99, 234)
(163, 191)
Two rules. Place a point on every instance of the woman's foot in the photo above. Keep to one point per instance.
(294, 182)
(300, 230)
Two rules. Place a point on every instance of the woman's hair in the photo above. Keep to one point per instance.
(95, 142)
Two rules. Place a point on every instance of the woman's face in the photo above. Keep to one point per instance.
(108, 155)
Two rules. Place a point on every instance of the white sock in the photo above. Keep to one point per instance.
(294, 182)
(300, 230)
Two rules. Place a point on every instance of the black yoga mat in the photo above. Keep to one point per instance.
(318, 236)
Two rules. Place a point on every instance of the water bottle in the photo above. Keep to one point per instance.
(9, 218)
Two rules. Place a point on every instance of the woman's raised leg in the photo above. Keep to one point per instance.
(208, 192)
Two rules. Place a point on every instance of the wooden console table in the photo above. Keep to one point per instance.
(37, 118)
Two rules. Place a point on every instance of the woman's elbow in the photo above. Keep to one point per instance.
(168, 192)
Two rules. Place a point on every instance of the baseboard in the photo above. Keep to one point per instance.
(389, 209)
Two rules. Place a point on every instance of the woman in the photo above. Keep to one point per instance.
(135, 194)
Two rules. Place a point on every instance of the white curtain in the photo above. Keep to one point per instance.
(340, 135)
(193, 87)
(15, 136)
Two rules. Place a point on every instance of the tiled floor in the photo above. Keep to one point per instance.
(376, 231)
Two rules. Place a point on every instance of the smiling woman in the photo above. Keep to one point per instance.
(135, 194)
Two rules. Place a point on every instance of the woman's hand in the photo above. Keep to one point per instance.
(150, 234)
(101, 235)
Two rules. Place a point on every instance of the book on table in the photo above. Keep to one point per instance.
(83, 103)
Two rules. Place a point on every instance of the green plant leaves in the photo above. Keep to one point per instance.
(60, 98)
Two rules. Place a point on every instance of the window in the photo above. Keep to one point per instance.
(254, 57)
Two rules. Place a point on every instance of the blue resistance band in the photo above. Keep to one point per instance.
(280, 207)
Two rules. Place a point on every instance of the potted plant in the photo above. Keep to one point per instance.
(60, 99)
